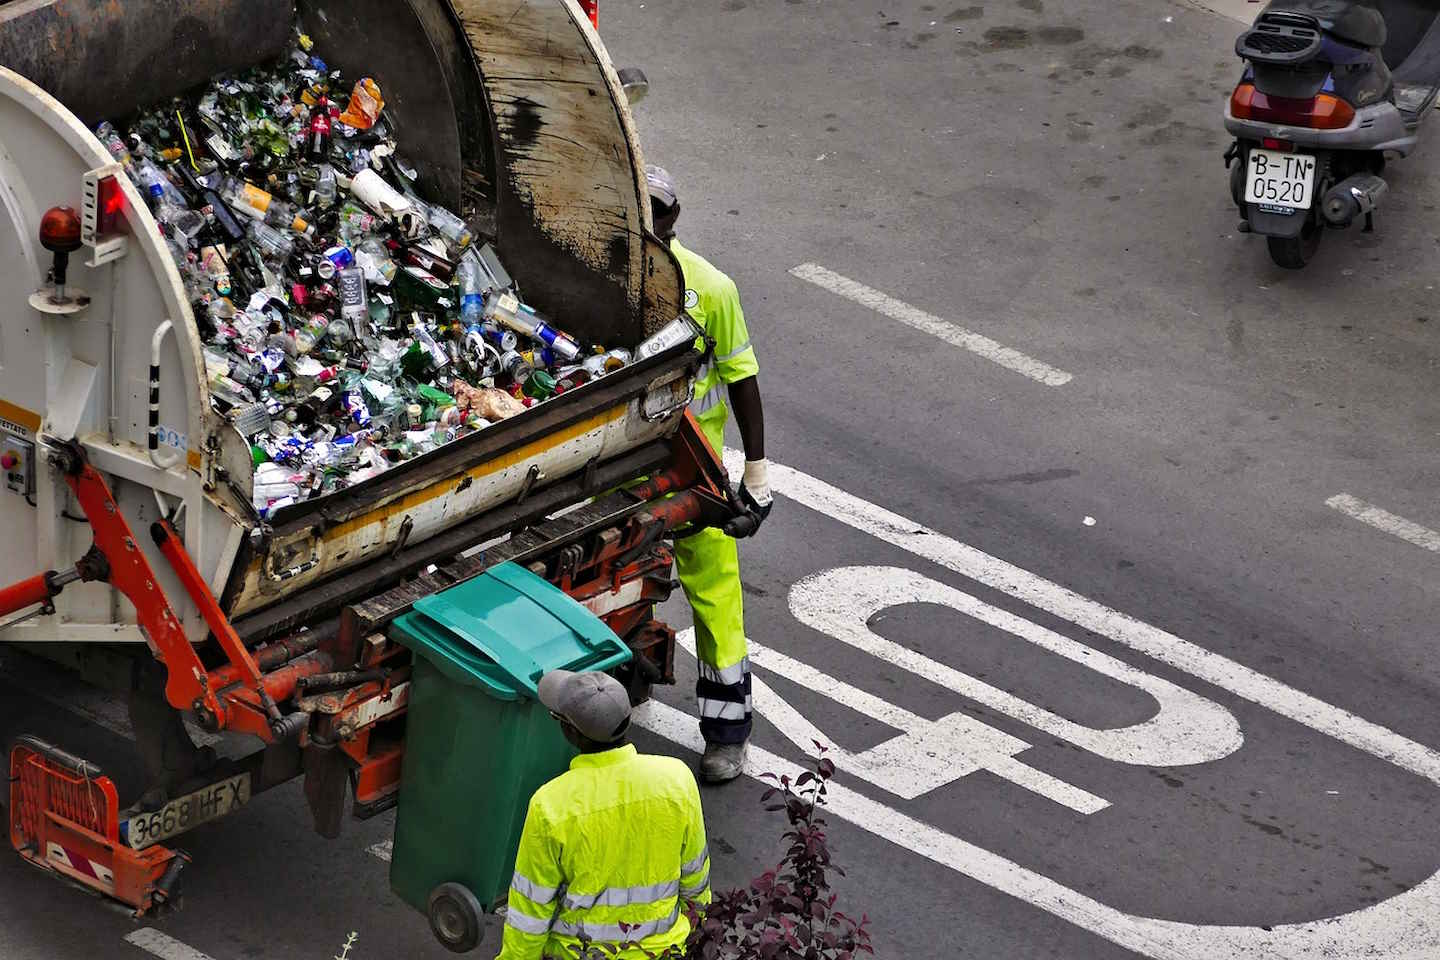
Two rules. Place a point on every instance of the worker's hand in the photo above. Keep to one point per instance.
(755, 497)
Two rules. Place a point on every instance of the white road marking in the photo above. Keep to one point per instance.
(382, 850)
(163, 945)
(929, 323)
(1186, 729)
(927, 755)
(1401, 928)
(1404, 927)
(1007, 578)
(1384, 520)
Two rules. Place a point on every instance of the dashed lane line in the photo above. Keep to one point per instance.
(911, 316)
(1385, 520)
(163, 945)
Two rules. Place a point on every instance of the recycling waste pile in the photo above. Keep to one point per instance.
(349, 325)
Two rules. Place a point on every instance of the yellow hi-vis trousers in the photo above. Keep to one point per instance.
(708, 564)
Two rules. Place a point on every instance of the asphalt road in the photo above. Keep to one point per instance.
(1226, 714)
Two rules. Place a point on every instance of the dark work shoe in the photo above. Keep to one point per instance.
(722, 762)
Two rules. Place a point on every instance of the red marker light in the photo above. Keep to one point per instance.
(592, 10)
(110, 208)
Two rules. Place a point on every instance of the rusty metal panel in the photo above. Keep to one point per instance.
(105, 58)
(572, 210)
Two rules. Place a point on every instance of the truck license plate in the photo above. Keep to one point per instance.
(1280, 182)
(184, 813)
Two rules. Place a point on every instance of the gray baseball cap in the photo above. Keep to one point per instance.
(661, 184)
(596, 704)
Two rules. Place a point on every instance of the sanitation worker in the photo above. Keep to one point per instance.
(617, 839)
(708, 563)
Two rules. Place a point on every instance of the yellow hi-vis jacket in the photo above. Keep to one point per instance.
(713, 302)
(617, 839)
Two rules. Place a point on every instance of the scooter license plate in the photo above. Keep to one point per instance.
(1280, 182)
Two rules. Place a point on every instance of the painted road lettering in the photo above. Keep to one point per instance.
(1404, 927)
(1186, 729)
(927, 754)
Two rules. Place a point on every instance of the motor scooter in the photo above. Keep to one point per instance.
(1332, 90)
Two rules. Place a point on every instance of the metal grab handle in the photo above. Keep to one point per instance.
(651, 416)
(166, 460)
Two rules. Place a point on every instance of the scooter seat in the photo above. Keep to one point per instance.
(1348, 20)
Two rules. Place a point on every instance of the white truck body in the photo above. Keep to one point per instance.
(83, 375)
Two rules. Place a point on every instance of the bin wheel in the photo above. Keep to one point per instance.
(456, 917)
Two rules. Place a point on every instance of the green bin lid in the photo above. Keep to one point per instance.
(504, 630)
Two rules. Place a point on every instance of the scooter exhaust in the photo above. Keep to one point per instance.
(1357, 194)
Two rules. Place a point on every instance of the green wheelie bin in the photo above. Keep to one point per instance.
(478, 743)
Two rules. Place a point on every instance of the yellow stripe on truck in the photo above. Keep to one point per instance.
(28, 419)
(443, 487)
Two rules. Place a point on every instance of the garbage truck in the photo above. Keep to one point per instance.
(134, 553)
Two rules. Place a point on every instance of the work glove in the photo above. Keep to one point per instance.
(755, 498)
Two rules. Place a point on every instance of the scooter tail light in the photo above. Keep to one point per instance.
(1321, 112)
(1279, 146)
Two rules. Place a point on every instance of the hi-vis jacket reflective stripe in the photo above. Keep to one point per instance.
(713, 302)
(611, 852)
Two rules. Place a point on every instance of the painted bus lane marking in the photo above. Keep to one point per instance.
(1403, 927)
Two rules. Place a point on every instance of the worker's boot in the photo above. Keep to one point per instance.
(722, 762)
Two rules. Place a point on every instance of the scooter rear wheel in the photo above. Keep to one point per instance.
(1293, 253)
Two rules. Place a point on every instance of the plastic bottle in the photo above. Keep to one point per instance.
(258, 204)
(376, 261)
(231, 391)
(472, 297)
(505, 308)
(158, 188)
(439, 359)
(449, 226)
(340, 333)
(385, 362)
(273, 244)
(312, 333)
(326, 187)
(110, 137)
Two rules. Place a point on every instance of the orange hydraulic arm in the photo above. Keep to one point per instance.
(247, 701)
